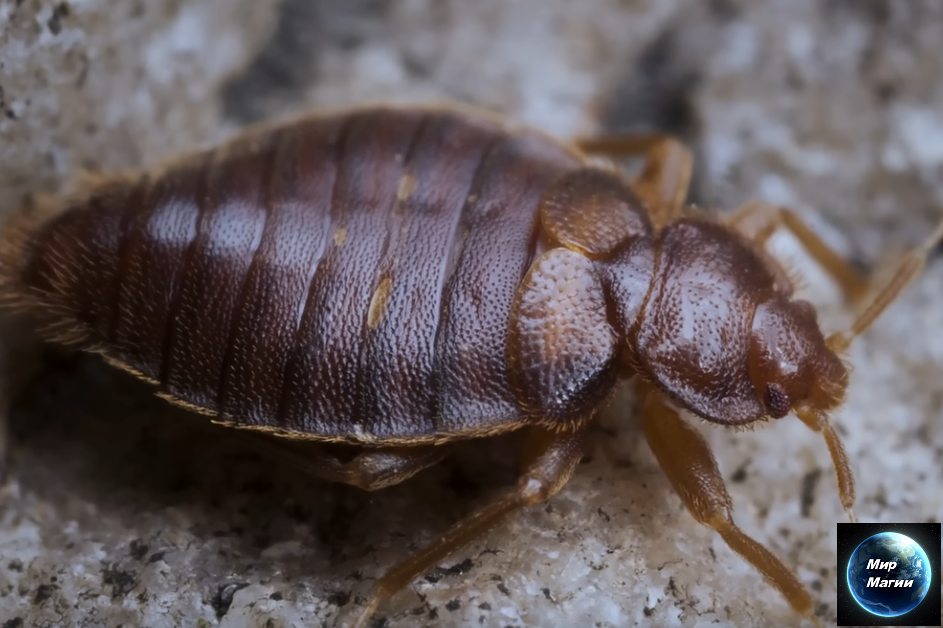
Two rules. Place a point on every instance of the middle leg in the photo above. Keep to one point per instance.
(758, 221)
(548, 460)
(664, 182)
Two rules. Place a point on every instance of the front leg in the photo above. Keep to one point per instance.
(547, 462)
(690, 466)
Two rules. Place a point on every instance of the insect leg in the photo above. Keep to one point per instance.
(370, 469)
(547, 462)
(619, 145)
(758, 220)
(906, 271)
(663, 183)
(690, 466)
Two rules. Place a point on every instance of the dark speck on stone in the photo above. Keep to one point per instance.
(156, 556)
(15, 565)
(55, 22)
(16, 622)
(671, 586)
(138, 549)
(121, 582)
(809, 482)
(276, 597)
(453, 605)
(438, 573)
(339, 598)
(463, 567)
(43, 593)
(54, 26)
(740, 474)
(223, 598)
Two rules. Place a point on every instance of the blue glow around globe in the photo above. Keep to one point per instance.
(911, 564)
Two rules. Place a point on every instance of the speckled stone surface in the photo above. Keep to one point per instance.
(121, 511)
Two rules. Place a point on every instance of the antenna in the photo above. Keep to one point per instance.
(909, 268)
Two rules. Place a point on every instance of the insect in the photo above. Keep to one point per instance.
(396, 279)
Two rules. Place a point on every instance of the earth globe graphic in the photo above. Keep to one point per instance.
(911, 564)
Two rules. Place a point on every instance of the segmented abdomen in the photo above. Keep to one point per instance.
(346, 277)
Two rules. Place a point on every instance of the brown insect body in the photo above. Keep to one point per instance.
(346, 278)
(399, 278)
(353, 277)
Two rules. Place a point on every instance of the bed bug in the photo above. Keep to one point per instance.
(396, 279)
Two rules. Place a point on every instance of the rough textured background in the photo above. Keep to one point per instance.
(120, 511)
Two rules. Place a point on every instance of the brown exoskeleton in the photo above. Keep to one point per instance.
(398, 279)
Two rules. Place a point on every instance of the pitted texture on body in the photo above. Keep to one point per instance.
(694, 335)
(562, 347)
(594, 212)
(346, 277)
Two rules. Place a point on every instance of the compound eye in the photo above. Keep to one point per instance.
(777, 401)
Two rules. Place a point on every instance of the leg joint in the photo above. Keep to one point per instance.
(534, 491)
